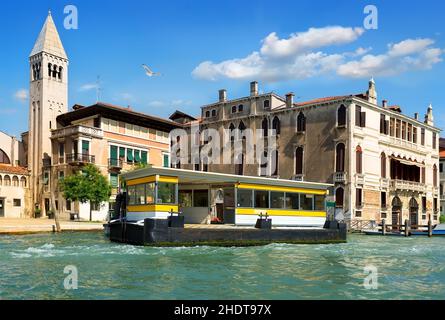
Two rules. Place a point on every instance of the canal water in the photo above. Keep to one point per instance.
(32, 267)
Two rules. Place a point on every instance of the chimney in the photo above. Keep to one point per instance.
(222, 95)
(289, 100)
(253, 88)
(416, 116)
(385, 103)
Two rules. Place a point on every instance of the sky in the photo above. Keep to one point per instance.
(315, 48)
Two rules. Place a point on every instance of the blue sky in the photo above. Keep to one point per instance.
(312, 48)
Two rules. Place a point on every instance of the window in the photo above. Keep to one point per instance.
(435, 206)
(441, 167)
(240, 108)
(200, 198)
(307, 202)
(130, 157)
(435, 176)
(360, 117)
(358, 214)
(403, 130)
(383, 200)
(340, 157)
(166, 160)
(245, 198)
(276, 125)
(398, 126)
(266, 104)
(424, 204)
(4, 157)
(341, 116)
(207, 114)
(68, 205)
(358, 198)
(166, 192)
(261, 199)
(299, 161)
(85, 147)
(415, 135)
(292, 200)
(392, 125)
(114, 180)
(275, 163)
(232, 132)
(129, 128)
(96, 122)
(301, 122)
(144, 157)
(7, 181)
(319, 203)
(233, 109)
(422, 136)
(17, 202)
(140, 194)
(137, 156)
(185, 198)
(15, 181)
(213, 113)
(277, 200)
(61, 149)
(241, 129)
(410, 132)
(434, 140)
(22, 182)
(265, 127)
(339, 197)
(359, 160)
(150, 193)
(383, 165)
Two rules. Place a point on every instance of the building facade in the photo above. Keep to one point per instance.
(382, 164)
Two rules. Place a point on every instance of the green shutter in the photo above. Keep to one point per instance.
(114, 180)
(144, 157)
(166, 161)
(122, 153)
(130, 155)
(113, 152)
(137, 156)
(85, 147)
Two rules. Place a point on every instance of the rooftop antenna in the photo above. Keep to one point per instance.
(98, 89)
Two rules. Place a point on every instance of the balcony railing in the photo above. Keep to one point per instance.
(359, 178)
(77, 130)
(340, 177)
(115, 163)
(408, 185)
(403, 143)
(80, 158)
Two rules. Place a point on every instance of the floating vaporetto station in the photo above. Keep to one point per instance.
(164, 206)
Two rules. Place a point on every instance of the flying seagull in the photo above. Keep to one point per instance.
(148, 71)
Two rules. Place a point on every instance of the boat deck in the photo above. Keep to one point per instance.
(235, 227)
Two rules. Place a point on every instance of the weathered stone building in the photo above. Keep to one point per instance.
(382, 163)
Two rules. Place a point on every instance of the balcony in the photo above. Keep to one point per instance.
(408, 186)
(77, 130)
(340, 177)
(78, 159)
(115, 164)
(298, 177)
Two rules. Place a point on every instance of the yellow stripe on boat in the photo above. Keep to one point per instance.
(152, 179)
(153, 208)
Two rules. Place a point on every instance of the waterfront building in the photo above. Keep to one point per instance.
(14, 179)
(382, 163)
(442, 175)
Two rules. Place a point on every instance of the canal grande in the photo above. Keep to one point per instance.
(32, 267)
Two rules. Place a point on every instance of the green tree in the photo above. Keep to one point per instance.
(87, 185)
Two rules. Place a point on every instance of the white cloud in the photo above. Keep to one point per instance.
(401, 57)
(88, 87)
(173, 103)
(21, 95)
(300, 56)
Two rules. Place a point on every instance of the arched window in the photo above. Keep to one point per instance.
(233, 109)
(232, 132)
(339, 197)
(266, 104)
(213, 113)
(359, 160)
(435, 176)
(7, 181)
(396, 203)
(341, 116)
(23, 182)
(383, 164)
(15, 181)
(265, 127)
(1, 180)
(241, 128)
(340, 158)
(55, 71)
(50, 69)
(240, 108)
(301, 122)
(208, 114)
(276, 125)
(4, 157)
(299, 160)
(60, 73)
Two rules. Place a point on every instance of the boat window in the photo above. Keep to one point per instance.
(277, 200)
(261, 199)
(319, 203)
(185, 198)
(150, 193)
(306, 202)
(245, 198)
(201, 198)
(140, 194)
(166, 192)
(292, 201)
(131, 195)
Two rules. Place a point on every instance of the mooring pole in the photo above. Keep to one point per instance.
(406, 228)
(430, 226)
(383, 227)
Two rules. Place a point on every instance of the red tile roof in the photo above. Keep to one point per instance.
(320, 100)
(5, 168)
(442, 153)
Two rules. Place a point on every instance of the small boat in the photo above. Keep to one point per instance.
(438, 230)
(379, 233)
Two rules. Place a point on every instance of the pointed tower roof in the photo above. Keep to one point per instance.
(49, 40)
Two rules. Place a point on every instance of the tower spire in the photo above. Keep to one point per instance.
(49, 40)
